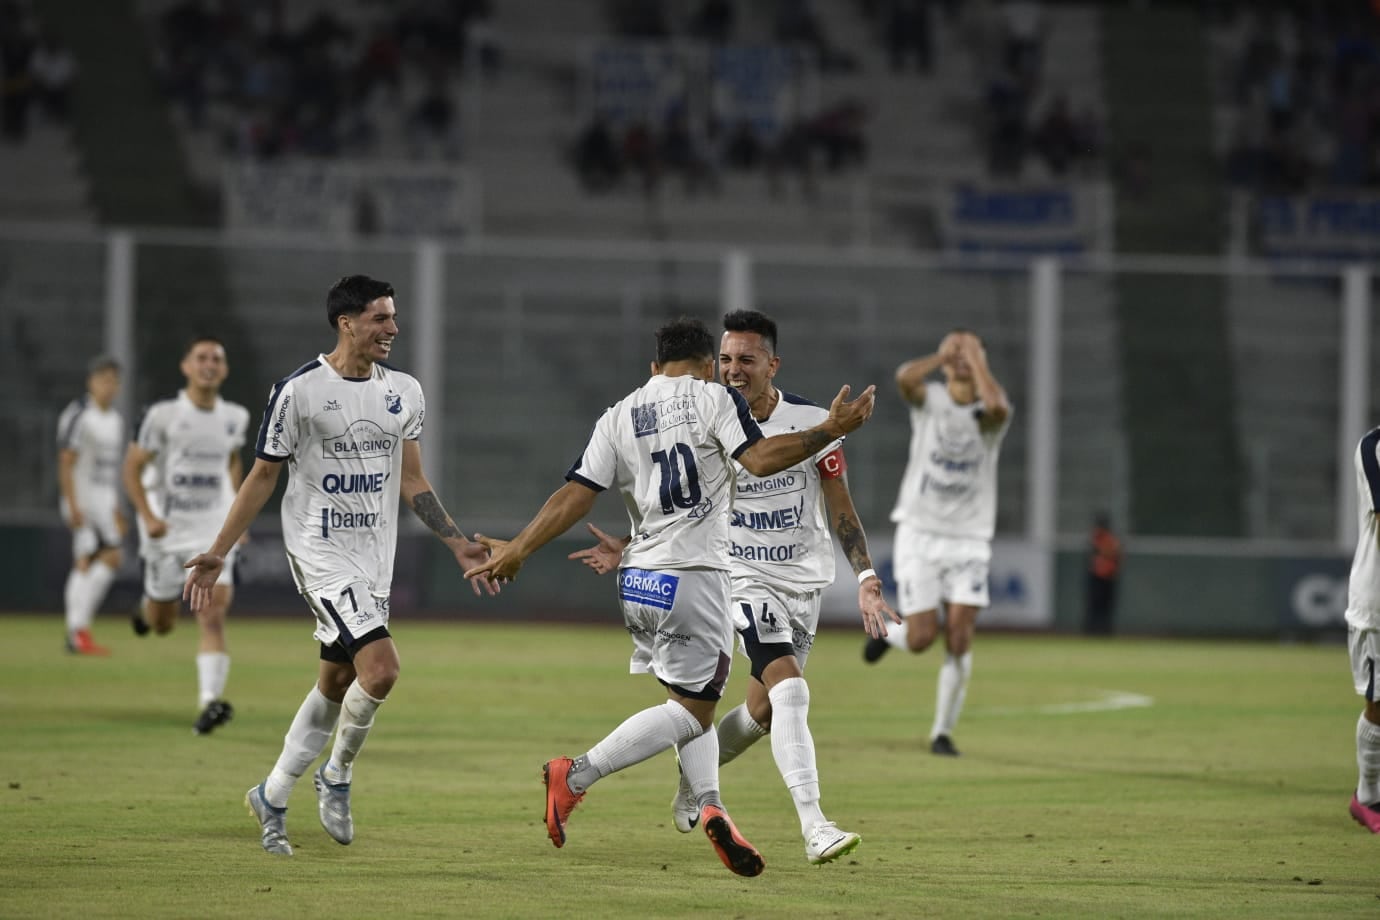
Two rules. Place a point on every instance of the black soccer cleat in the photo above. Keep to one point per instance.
(874, 649)
(137, 621)
(943, 745)
(217, 712)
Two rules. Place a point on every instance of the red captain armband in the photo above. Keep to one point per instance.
(832, 465)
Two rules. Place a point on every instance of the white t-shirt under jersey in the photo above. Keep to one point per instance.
(778, 526)
(98, 437)
(187, 480)
(1363, 588)
(667, 447)
(950, 484)
(342, 438)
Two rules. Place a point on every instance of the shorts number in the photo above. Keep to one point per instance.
(680, 480)
(766, 616)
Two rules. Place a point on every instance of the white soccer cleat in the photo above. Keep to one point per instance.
(685, 813)
(272, 822)
(826, 843)
(333, 802)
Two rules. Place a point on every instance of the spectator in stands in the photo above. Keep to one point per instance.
(381, 64)
(684, 151)
(54, 71)
(1023, 36)
(597, 159)
(907, 30)
(641, 155)
(433, 123)
(797, 23)
(1008, 98)
(1056, 137)
(16, 77)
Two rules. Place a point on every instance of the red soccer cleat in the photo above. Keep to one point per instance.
(740, 856)
(81, 643)
(1365, 816)
(560, 801)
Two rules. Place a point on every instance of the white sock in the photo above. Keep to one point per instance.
(72, 593)
(642, 735)
(737, 732)
(91, 593)
(212, 669)
(953, 687)
(794, 748)
(1368, 761)
(356, 718)
(896, 634)
(699, 767)
(305, 740)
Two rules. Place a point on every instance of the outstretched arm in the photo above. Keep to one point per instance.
(249, 501)
(566, 505)
(843, 517)
(911, 376)
(417, 492)
(774, 454)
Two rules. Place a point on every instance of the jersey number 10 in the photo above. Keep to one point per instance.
(680, 481)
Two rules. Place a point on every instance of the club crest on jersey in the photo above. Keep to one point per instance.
(363, 439)
(644, 420)
(394, 403)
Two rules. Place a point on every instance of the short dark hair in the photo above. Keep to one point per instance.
(102, 363)
(196, 340)
(753, 321)
(351, 294)
(684, 339)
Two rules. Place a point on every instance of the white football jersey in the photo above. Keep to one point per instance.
(668, 448)
(187, 479)
(342, 438)
(950, 484)
(778, 525)
(1363, 588)
(98, 437)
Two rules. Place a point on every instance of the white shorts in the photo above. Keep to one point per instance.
(97, 532)
(348, 613)
(164, 575)
(1364, 647)
(680, 627)
(931, 568)
(772, 616)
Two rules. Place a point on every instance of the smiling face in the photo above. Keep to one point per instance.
(746, 365)
(205, 366)
(370, 335)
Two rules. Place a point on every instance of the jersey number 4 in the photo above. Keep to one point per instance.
(680, 480)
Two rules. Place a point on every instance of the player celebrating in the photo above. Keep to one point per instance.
(667, 447)
(1363, 632)
(782, 558)
(946, 513)
(90, 437)
(349, 427)
(181, 474)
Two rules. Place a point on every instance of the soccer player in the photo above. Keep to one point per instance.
(1363, 632)
(667, 447)
(946, 513)
(782, 559)
(90, 437)
(348, 426)
(181, 473)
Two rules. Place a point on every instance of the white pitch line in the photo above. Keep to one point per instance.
(1109, 701)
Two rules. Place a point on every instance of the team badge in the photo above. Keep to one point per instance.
(394, 403)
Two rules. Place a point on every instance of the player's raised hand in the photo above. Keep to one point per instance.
(850, 415)
(604, 556)
(502, 565)
(874, 609)
(201, 580)
(472, 553)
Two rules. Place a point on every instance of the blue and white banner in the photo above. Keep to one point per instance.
(1325, 226)
(988, 216)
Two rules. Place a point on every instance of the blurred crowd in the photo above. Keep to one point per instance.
(1304, 83)
(326, 87)
(37, 72)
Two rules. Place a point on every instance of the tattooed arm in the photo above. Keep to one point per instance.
(776, 453)
(417, 492)
(843, 517)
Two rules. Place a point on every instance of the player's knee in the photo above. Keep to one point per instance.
(917, 640)
(378, 681)
(761, 713)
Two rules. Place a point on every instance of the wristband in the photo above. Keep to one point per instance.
(865, 574)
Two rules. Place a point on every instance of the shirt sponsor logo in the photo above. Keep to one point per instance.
(950, 490)
(764, 553)
(789, 481)
(283, 405)
(333, 519)
(649, 418)
(951, 465)
(776, 519)
(361, 440)
(332, 405)
(655, 589)
(196, 480)
(349, 483)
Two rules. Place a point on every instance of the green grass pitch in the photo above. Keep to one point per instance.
(1120, 778)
